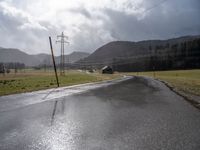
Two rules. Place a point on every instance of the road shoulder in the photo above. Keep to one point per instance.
(193, 99)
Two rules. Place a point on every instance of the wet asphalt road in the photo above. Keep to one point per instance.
(132, 114)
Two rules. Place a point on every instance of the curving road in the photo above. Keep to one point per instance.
(129, 114)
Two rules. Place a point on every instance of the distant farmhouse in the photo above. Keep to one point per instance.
(107, 70)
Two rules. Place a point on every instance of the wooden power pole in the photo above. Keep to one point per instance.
(54, 64)
(62, 40)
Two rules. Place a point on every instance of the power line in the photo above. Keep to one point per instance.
(154, 6)
(62, 40)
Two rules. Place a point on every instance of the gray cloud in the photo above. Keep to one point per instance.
(81, 10)
(100, 25)
(160, 23)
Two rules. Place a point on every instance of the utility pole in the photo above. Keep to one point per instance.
(54, 64)
(62, 40)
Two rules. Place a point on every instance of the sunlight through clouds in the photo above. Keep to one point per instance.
(91, 23)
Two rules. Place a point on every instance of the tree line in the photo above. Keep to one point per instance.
(183, 55)
(5, 67)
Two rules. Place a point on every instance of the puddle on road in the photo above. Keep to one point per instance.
(16, 101)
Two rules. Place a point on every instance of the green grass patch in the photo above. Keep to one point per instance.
(32, 81)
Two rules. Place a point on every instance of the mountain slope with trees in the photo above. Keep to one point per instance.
(177, 53)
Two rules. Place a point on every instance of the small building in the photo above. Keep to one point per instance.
(2, 68)
(107, 70)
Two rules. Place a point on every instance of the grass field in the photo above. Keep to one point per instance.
(187, 81)
(32, 80)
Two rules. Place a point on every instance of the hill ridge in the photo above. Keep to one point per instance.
(16, 55)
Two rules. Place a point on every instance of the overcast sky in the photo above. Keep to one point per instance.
(26, 24)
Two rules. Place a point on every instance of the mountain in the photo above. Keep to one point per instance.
(41, 57)
(138, 53)
(15, 55)
(116, 49)
(71, 58)
(75, 56)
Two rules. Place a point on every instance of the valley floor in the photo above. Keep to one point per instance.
(186, 82)
(32, 80)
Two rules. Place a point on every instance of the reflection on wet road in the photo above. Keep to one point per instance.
(137, 113)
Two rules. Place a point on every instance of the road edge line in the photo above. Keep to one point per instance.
(188, 98)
